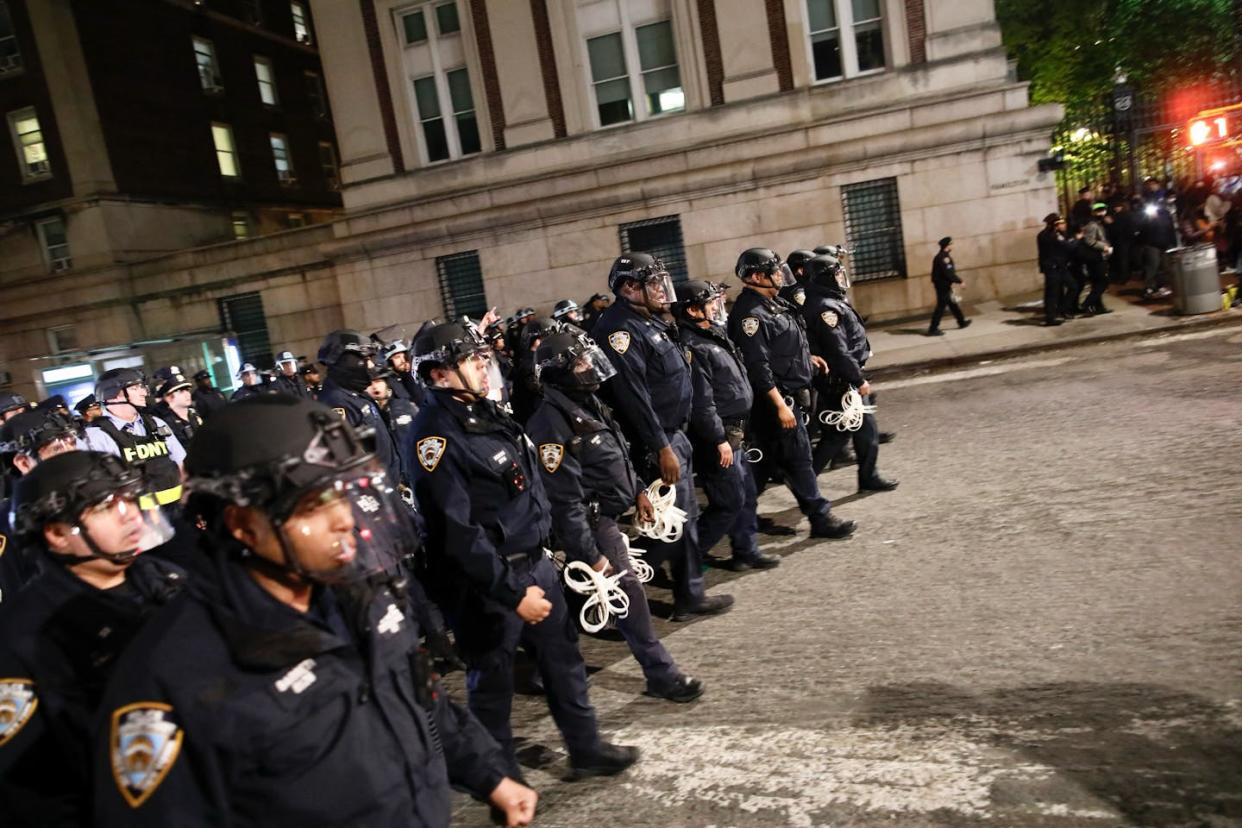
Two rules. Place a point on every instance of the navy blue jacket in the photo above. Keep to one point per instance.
(477, 486)
(943, 273)
(725, 393)
(360, 410)
(324, 718)
(772, 339)
(653, 390)
(584, 459)
(837, 334)
(62, 639)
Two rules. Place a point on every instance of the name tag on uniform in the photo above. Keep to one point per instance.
(501, 457)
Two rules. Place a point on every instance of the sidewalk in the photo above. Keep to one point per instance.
(1007, 327)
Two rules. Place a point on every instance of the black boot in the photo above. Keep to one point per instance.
(878, 484)
(608, 760)
(830, 526)
(685, 689)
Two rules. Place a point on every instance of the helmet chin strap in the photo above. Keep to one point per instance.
(120, 559)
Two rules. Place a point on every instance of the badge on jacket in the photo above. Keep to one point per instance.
(18, 703)
(551, 455)
(830, 318)
(800, 296)
(144, 744)
(430, 450)
(620, 341)
(750, 325)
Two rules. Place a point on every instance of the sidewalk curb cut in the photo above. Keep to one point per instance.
(1217, 318)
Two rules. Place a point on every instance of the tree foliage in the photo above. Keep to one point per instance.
(1071, 50)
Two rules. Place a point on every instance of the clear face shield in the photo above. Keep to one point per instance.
(346, 530)
(843, 278)
(583, 366)
(782, 276)
(658, 289)
(714, 309)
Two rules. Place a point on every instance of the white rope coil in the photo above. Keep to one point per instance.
(669, 520)
(605, 598)
(641, 569)
(850, 417)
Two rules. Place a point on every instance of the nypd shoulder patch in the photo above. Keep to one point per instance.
(551, 455)
(620, 341)
(830, 318)
(430, 450)
(145, 742)
(750, 326)
(18, 703)
(800, 296)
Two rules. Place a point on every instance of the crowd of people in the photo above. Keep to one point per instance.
(1112, 238)
(236, 611)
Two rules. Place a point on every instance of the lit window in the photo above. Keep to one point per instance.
(280, 155)
(327, 161)
(301, 28)
(55, 242)
(634, 71)
(314, 91)
(266, 76)
(31, 149)
(241, 225)
(226, 154)
(10, 52)
(846, 37)
(208, 69)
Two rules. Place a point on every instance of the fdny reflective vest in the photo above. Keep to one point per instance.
(148, 452)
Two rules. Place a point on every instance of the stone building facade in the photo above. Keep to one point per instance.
(503, 152)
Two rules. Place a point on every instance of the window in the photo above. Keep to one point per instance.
(327, 160)
(295, 220)
(55, 243)
(446, 19)
(461, 285)
(661, 237)
(314, 91)
(10, 53)
(208, 68)
(301, 28)
(846, 37)
(443, 99)
(266, 77)
(243, 316)
(280, 156)
(62, 338)
(873, 228)
(633, 63)
(31, 149)
(226, 155)
(241, 225)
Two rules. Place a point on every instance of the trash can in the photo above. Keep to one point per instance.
(1196, 283)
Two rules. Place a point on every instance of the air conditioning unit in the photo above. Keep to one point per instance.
(210, 80)
(61, 265)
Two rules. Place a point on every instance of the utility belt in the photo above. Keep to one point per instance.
(802, 397)
(528, 558)
(735, 431)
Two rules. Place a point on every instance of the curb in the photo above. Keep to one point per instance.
(1207, 321)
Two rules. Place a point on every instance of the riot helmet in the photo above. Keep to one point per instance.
(761, 267)
(567, 310)
(827, 273)
(572, 362)
(127, 383)
(451, 345)
(797, 263)
(649, 273)
(708, 297)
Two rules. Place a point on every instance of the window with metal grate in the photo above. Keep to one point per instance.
(873, 229)
(461, 285)
(661, 237)
(243, 315)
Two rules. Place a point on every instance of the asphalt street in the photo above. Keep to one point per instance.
(1041, 627)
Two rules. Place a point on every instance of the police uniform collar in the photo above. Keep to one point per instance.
(121, 423)
(711, 332)
(581, 419)
(479, 417)
(651, 319)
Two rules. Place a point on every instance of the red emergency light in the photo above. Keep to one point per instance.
(1214, 127)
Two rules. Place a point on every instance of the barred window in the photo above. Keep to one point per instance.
(661, 237)
(243, 315)
(873, 228)
(461, 285)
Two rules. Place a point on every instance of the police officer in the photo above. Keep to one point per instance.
(567, 312)
(87, 409)
(722, 411)
(348, 356)
(591, 484)
(312, 379)
(11, 404)
(944, 277)
(176, 405)
(25, 441)
(63, 633)
(524, 391)
(1056, 254)
(770, 334)
(405, 383)
(396, 412)
(654, 387)
(838, 336)
(796, 293)
(252, 383)
(594, 307)
(287, 380)
(207, 398)
(286, 687)
(128, 430)
(487, 515)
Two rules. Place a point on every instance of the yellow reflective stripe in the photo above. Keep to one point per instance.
(160, 498)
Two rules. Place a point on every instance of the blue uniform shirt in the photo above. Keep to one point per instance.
(360, 410)
(770, 334)
(837, 334)
(94, 438)
(653, 388)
